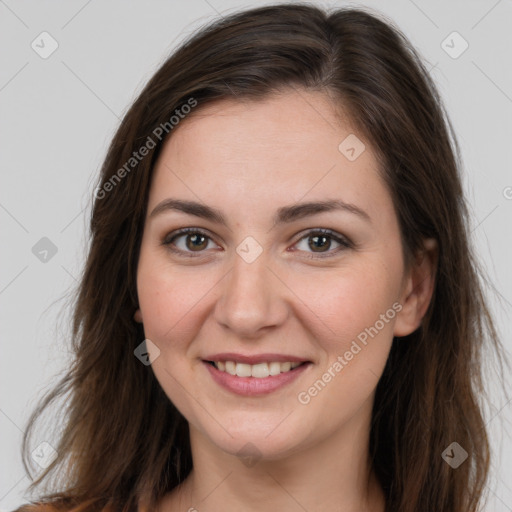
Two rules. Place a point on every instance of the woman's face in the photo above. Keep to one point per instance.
(258, 280)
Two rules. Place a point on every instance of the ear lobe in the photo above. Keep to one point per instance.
(138, 316)
(418, 289)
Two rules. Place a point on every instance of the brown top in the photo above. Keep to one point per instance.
(47, 507)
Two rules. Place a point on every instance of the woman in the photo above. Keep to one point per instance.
(222, 362)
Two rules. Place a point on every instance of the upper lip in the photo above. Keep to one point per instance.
(254, 359)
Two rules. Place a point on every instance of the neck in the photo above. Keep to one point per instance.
(335, 474)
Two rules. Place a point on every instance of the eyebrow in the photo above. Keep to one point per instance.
(284, 215)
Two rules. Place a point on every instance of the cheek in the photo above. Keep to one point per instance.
(171, 302)
(345, 303)
(358, 310)
(170, 299)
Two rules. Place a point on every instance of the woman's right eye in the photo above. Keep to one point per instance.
(191, 240)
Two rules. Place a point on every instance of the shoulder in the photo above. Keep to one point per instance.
(58, 507)
(38, 507)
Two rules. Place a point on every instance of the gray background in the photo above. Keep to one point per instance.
(59, 113)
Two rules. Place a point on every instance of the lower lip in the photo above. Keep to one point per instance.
(252, 386)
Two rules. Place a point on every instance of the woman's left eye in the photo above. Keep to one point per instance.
(322, 238)
(196, 241)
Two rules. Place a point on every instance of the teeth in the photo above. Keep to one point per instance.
(230, 367)
(260, 370)
(286, 367)
(243, 370)
(275, 368)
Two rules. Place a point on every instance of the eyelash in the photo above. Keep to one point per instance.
(344, 242)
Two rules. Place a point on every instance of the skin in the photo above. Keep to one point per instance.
(247, 159)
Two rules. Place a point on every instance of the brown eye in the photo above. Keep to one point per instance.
(187, 241)
(320, 242)
(195, 241)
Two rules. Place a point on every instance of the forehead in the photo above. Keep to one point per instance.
(278, 149)
(298, 121)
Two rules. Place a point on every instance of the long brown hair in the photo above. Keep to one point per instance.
(123, 440)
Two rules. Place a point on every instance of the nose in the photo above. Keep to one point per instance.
(252, 300)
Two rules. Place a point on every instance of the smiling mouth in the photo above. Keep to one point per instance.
(258, 371)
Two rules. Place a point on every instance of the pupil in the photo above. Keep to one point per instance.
(316, 239)
(194, 239)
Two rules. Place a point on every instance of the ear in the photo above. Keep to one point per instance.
(138, 316)
(417, 289)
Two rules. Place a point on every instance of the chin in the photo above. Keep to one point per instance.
(258, 441)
